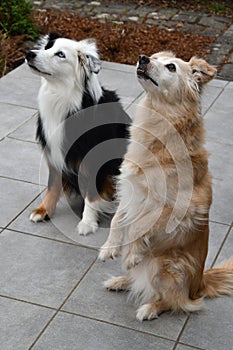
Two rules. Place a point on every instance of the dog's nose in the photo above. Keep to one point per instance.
(30, 55)
(143, 59)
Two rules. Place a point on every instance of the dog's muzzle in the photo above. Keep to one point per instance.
(142, 66)
(30, 60)
(142, 69)
(143, 60)
(30, 56)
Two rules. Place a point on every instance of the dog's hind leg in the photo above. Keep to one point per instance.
(119, 283)
(151, 311)
(48, 205)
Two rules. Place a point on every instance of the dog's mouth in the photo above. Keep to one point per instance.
(142, 75)
(37, 70)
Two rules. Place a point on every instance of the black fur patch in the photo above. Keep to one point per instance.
(52, 37)
(92, 127)
(40, 136)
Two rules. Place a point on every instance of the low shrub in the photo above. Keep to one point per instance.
(16, 18)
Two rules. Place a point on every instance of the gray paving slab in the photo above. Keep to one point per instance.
(14, 197)
(38, 270)
(230, 85)
(219, 126)
(26, 131)
(124, 83)
(119, 67)
(220, 159)
(227, 249)
(224, 102)
(74, 332)
(209, 95)
(221, 209)
(221, 165)
(218, 119)
(22, 161)
(20, 91)
(22, 72)
(211, 328)
(184, 347)
(218, 83)
(21, 323)
(217, 235)
(91, 298)
(12, 116)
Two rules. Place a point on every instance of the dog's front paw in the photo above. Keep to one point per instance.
(87, 227)
(39, 214)
(109, 251)
(132, 260)
(146, 312)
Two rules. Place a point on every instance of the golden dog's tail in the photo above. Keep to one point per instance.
(218, 281)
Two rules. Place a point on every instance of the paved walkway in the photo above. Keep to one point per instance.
(51, 293)
(221, 28)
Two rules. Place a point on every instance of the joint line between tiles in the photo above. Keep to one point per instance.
(27, 302)
(52, 239)
(213, 102)
(181, 332)
(20, 180)
(138, 96)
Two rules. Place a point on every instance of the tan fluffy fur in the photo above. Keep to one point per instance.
(165, 194)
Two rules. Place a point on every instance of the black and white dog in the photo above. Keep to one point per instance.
(82, 127)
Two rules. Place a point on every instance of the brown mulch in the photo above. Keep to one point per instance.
(12, 51)
(117, 43)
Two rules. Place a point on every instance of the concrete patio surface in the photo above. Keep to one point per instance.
(51, 292)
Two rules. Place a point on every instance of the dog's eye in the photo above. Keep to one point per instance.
(60, 54)
(171, 67)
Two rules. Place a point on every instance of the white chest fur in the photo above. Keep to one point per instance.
(54, 106)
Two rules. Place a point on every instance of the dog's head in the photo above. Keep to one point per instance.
(171, 78)
(61, 59)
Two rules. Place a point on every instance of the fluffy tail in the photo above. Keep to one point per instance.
(218, 281)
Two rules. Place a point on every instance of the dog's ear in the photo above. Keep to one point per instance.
(94, 63)
(202, 72)
(88, 49)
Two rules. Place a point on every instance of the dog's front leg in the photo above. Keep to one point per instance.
(137, 242)
(89, 222)
(112, 247)
(48, 205)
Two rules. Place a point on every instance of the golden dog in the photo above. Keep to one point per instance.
(165, 194)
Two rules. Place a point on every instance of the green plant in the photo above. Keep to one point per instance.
(16, 18)
(217, 8)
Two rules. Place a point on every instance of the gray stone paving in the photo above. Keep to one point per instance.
(218, 27)
(51, 292)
